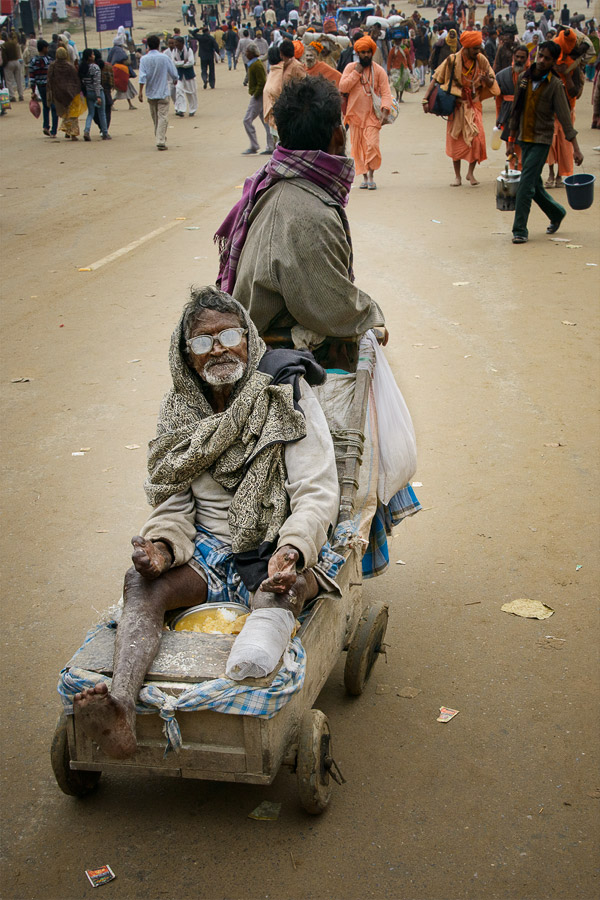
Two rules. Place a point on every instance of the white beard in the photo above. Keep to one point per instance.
(235, 371)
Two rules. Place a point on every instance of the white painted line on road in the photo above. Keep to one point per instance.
(129, 247)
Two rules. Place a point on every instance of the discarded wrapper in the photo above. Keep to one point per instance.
(266, 812)
(447, 714)
(528, 609)
(100, 876)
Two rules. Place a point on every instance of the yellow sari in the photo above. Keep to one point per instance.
(70, 121)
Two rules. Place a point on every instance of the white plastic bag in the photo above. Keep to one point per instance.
(397, 442)
(260, 644)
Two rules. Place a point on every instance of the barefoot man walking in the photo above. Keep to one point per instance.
(470, 78)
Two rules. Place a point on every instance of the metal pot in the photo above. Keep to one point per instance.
(507, 185)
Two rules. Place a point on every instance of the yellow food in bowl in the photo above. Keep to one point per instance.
(212, 621)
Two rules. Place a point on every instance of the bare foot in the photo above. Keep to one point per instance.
(150, 559)
(472, 179)
(107, 721)
(456, 183)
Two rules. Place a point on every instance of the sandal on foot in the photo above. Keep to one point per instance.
(549, 183)
(363, 186)
(519, 239)
(372, 186)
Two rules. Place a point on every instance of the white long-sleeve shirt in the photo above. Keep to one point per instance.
(183, 58)
(311, 485)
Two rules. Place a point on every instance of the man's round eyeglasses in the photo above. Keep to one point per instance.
(203, 343)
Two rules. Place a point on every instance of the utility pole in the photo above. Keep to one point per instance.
(82, 11)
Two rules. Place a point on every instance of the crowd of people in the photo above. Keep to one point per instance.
(67, 83)
(468, 51)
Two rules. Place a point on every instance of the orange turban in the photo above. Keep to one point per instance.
(317, 45)
(566, 40)
(365, 45)
(298, 49)
(471, 39)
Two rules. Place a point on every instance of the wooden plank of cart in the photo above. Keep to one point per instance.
(226, 747)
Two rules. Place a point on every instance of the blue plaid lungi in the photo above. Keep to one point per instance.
(377, 558)
(214, 559)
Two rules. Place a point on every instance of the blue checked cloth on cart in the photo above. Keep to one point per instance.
(376, 557)
(221, 694)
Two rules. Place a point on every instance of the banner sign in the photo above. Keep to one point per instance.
(54, 5)
(112, 13)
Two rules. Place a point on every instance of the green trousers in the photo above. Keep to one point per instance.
(531, 188)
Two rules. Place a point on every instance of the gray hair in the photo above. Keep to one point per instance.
(252, 48)
(203, 298)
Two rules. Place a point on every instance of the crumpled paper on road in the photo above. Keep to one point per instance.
(528, 609)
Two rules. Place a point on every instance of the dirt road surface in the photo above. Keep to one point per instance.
(496, 350)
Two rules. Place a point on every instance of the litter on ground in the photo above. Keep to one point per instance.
(528, 609)
(266, 812)
(100, 876)
(446, 714)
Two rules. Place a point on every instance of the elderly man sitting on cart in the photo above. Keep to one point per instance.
(243, 482)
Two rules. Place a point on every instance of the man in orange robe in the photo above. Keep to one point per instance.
(561, 151)
(361, 81)
(473, 80)
(316, 66)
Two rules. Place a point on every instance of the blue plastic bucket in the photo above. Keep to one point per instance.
(580, 190)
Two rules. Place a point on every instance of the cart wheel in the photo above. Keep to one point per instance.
(313, 762)
(365, 647)
(74, 782)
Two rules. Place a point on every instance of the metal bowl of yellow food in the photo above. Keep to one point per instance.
(212, 618)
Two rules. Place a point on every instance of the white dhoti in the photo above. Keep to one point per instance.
(186, 96)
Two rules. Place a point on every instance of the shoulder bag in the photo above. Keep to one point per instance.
(441, 102)
(393, 114)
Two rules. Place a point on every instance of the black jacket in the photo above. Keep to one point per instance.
(346, 57)
(231, 40)
(207, 46)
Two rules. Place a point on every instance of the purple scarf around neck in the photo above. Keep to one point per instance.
(332, 173)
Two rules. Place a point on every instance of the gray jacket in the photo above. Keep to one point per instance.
(294, 265)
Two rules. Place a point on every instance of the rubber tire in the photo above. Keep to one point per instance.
(364, 647)
(314, 745)
(74, 782)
